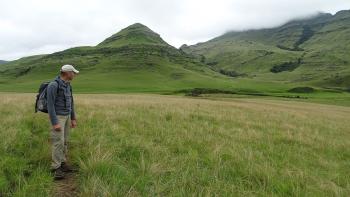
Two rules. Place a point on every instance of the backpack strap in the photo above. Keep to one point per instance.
(58, 85)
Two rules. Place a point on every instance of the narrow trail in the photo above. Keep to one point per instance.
(66, 187)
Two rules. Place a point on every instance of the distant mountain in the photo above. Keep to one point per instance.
(136, 59)
(3, 61)
(313, 51)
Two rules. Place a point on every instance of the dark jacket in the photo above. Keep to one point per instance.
(59, 101)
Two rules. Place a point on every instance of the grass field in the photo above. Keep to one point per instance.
(152, 145)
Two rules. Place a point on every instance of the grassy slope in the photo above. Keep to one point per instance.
(324, 60)
(331, 58)
(137, 60)
(143, 145)
(134, 60)
(137, 74)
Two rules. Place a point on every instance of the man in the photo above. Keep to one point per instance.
(61, 112)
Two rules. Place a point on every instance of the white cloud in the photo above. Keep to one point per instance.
(31, 27)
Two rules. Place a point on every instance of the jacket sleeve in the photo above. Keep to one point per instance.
(72, 114)
(51, 98)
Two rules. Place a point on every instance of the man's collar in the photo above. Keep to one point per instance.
(63, 81)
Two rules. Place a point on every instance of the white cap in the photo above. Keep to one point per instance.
(67, 68)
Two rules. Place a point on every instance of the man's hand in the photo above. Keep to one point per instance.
(57, 127)
(73, 123)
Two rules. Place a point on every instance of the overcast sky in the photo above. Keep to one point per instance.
(29, 27)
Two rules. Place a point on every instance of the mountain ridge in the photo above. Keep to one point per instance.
(288, 53)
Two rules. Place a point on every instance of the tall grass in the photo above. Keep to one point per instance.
(146, 145)
(24, 148)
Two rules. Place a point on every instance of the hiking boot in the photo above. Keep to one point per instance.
(67, 168)
(58, 174)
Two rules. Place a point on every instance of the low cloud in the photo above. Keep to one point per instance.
(30, 27)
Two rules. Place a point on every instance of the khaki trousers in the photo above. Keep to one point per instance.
(59, 141)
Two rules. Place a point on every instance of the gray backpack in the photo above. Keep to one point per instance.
(41, 97)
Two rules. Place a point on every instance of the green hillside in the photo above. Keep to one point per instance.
(134, 60)
(3, 61)
(313, 51)
(258, 62)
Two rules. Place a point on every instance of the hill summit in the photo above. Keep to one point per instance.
(133, 34)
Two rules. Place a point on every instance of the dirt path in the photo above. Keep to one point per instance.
(66, 187)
